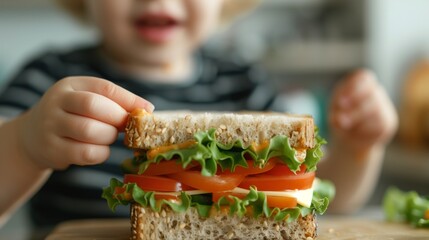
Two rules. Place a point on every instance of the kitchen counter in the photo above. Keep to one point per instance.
(332, 228)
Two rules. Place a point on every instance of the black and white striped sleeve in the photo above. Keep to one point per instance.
(25, 90)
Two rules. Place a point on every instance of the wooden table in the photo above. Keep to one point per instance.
(329, 228)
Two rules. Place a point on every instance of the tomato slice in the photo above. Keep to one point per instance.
(272, 201)
(119, 190)
(281, 169)
(155, 183)
(265, 182)
(251, 169)
(166, 167)
(216, 183)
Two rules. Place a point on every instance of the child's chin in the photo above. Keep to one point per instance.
(162, 54)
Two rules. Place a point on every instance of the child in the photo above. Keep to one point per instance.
(59, 113)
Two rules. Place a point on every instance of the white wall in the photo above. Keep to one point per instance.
(25, 31)
(398, 35)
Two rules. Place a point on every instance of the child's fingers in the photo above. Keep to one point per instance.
(69, 151)
(94, 106)
(354, 89)
(367, 122)
(86, 130)
(382, 122)
(373, 119)
(370, 129)
(84, 153)
(124, 98)
(360, 112)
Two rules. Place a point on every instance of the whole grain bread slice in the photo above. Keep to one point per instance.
(149, 131)
(166, 224)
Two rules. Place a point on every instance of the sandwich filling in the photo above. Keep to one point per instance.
(270, 179)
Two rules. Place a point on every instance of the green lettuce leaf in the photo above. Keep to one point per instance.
(407, 207)
(146, 199)
(113, 200)
(210, 154)
(257, 201)
(314, 154)
(324, 192)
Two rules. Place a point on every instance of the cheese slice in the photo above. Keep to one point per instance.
(303, 197)
(163, 149)
(139, 112)
(259, 147)
(189, 192)
(300, 154)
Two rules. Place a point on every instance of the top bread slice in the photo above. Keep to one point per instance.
(148, 131)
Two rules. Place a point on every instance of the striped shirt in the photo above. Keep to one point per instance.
(75, 192)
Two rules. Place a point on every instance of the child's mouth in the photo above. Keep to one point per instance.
(156, 28)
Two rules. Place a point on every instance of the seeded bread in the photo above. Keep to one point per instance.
(148, 131)
(147, 224)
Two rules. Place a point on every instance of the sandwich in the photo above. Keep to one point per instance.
(220, 175)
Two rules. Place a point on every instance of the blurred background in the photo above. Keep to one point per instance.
(301, 43)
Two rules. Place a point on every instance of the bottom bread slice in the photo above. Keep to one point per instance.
(166, 224)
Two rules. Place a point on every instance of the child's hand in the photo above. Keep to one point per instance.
(75, 122)
(361, 113)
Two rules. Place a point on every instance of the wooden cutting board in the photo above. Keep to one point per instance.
(349, 228)
(329, 228)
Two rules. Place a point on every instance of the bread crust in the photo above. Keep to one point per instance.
(147, 224)
(149, 131)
